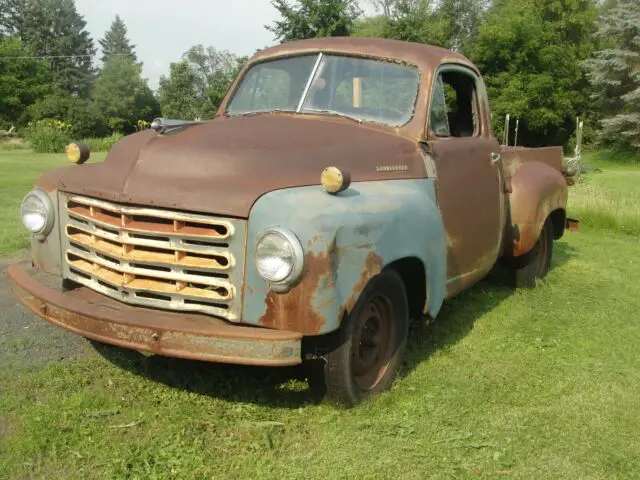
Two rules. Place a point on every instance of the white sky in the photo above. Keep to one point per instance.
(162, 30)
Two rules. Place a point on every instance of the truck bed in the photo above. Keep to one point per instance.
(514, 157)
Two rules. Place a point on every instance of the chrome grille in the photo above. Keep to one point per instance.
(154, 257)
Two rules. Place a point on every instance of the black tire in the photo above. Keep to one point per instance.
(372, 341)
(526, 271)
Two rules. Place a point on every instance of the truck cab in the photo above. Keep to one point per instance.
(345, 186)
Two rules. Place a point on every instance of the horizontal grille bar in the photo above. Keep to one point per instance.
(148, 220)
(152, 257)
(144, 251)
(133, 282)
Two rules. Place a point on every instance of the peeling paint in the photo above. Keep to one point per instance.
(347, 242)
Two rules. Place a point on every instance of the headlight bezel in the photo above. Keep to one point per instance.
(297, 267)
(49, 210)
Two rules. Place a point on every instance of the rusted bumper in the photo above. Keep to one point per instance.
(200, 337)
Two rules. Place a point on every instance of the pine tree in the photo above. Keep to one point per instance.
(614, 75)
(11, 15)
(313, 18)
(115, 41)
(54, 28)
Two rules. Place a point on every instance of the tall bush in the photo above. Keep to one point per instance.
(48, 136)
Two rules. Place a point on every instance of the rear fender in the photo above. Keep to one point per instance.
(538, 190)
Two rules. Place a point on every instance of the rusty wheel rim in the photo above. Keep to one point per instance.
(373, 340)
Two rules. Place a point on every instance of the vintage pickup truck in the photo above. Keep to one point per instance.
(345, 186)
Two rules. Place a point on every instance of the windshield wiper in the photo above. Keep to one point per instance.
(332, 112)
(260, 112)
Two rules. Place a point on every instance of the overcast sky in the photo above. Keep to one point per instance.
(162, 30)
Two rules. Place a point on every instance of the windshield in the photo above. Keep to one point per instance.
(360, 88)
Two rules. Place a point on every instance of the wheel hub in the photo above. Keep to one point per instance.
(372, 342)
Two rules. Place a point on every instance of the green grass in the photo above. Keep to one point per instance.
(608, 199)
(19, 169)
(532, 384)
(535, 384)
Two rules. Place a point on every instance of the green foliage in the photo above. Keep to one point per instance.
(614, 75)
(313, 18)
(22, 82)
(103, 144)
(122, 95)
(214, 71)
(177, 94)
(196, 85)
(54, 28)
(11, 17)
(85, 117)
(115, 41)
(370, 26)
(48, 136)
(451, 24)
(529, 52)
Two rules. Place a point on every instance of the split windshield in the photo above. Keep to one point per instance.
(360, 88)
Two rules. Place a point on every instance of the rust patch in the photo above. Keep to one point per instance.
(294, 309)
(372, 267)
(192, 336)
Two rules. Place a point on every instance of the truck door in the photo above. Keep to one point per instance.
(469, 176)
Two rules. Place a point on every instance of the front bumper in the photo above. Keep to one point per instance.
(194, 336)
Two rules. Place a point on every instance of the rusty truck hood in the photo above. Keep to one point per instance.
(225, 165)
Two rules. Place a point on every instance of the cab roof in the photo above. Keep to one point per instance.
(426, 57)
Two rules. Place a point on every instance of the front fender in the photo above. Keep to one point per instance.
(538, 190)
(347, 239)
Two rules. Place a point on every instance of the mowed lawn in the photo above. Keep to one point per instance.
(536, 384)
(19, 169)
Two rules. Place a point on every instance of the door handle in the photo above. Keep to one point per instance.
(495, 158)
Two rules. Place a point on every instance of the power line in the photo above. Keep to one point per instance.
(47, 57)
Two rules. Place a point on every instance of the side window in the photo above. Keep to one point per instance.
(458, 93)
(438, 115)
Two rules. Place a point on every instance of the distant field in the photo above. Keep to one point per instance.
(535, 384)
(19, 169)
(608, 199)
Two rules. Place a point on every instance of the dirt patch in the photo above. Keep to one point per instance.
(26, 341)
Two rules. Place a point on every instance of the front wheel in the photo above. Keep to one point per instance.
(537, 263)
(373, 338)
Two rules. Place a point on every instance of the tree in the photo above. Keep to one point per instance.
(178, 95)
(614, 74)
(529, 52)
(459, 22)
(115, 41)
(84, 116)
(214, 71)
(313, 18)
(54, 28)
(22, 81)
(123, 96)
(451, 24)
(11, 15)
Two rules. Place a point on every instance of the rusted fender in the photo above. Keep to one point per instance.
(348, 239)
(538, 190)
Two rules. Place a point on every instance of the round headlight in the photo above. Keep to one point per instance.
(279, 256)
(37, 213)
